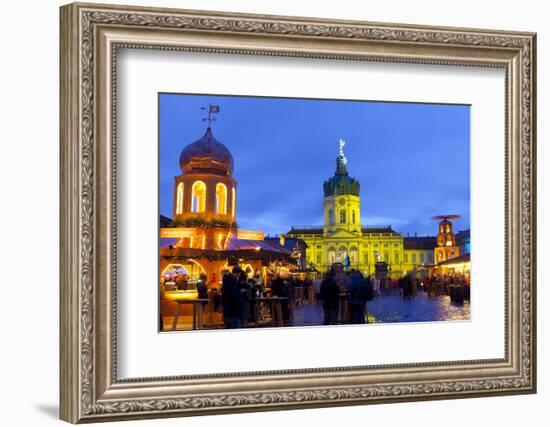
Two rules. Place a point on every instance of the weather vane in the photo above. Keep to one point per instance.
(212, 109)
(341, 153)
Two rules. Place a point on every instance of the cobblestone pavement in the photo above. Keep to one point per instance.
(391, 307)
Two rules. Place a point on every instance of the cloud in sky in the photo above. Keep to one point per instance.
(412, 160)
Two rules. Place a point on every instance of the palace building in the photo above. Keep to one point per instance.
(342, 235)
(343, 239)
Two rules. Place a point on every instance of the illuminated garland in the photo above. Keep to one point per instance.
(182, 254)
(201, 222)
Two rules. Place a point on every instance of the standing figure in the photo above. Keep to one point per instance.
(360, 291)
(231, 299)
(330, 294)
(202, 289)
(245, 297)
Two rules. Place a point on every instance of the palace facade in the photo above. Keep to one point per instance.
(341, 238)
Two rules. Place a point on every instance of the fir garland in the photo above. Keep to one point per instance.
(202, 222)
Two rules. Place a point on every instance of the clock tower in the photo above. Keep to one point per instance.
(342, 204)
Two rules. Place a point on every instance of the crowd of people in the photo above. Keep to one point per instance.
(238, 297)
(241, 295)
(440, 283)
(349, 287)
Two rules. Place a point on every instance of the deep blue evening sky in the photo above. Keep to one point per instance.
(412, 160)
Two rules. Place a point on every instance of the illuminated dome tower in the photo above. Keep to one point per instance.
(205, 192)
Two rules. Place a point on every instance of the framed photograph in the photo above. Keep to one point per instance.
(266, 212)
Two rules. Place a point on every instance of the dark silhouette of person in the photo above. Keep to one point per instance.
(245, 291)
(330, 295)
(231, 299)
(202, 289)
(360, 291)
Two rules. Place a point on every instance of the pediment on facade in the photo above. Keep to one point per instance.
(342, 234)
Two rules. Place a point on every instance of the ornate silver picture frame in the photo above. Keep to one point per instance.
(91, 390)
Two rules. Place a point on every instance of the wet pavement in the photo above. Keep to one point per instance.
(390, 308)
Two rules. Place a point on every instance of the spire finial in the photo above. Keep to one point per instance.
(212, 109)
(341, 152)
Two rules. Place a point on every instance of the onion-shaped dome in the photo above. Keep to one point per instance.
(206, 155)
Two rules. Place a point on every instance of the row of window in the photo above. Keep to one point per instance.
(386, 245)
(342, 217)
(353, 254)
(198, 198)
(420, 259)
(366, 245)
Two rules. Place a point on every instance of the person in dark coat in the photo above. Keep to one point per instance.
(254, 293)
(277, 287)
(360, 292)
(231, 299)
(245, 297)
(330, 295)
(280, 288)
(202, 289)
(408, 287)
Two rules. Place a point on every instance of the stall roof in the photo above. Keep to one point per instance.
(237, 245)
(420, 242)
(456, 260)
(246, 245)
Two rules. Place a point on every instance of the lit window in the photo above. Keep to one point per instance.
(221, 198)
(342, 216)
(332, 255)
(414, 258)
(330, 217)
(396, 258)
(179, 198)
(198, 197)
(353, 217)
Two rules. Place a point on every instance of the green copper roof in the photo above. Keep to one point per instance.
(341, 182)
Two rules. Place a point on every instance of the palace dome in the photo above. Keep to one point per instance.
(341, 183)
(206, 155)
